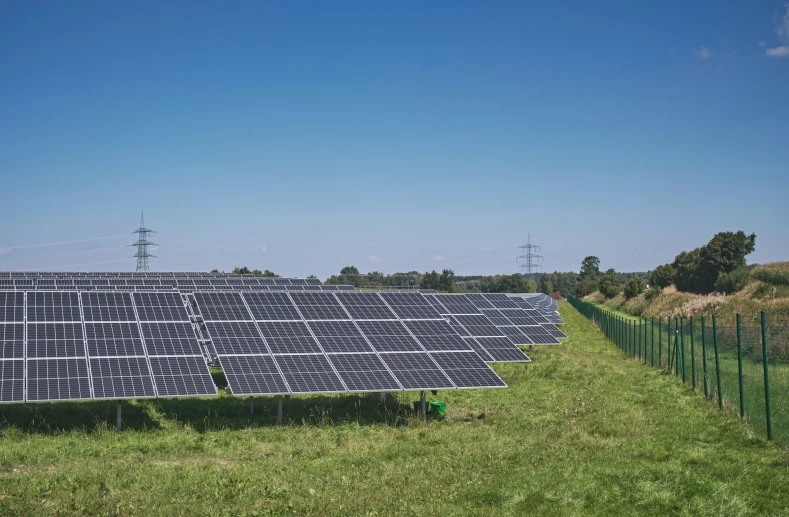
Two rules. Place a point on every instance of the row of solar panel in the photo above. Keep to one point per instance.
(163, 285)
(137, 274)
(273, 343)
(126, 331)
(70, 346)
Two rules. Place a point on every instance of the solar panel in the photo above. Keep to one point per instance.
(496, 317)
(289, 338)
(478, 326)
(551, 329)
(57, 379)
(410, 306)
(121, 378)
(500, 301)
(181, 376)
(12, 341)
(389, 336)
(236, 338)
(272, 306)
(114, 340)
(55, 340)
(366, 306)
(319, 306)
(160, 307)
(363, 372)
(436, 335)
(166, 339)
(479, 301)
(12, 306)
(12, 380)
(50, 306)
(479, 349)
(107, 306)
(516, 336)
(416, 371)
(456, 304)
(339, 336)
(253, 375)
(309, 373)
(467, 370)
(222, 306)
(538, 335)
(502, 349)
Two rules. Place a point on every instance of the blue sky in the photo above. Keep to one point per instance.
(305, 136)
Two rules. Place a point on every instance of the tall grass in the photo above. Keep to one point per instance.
(775, 273)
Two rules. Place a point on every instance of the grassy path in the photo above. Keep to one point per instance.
(580, 431)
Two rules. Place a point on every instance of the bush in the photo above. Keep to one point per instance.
(732, 282)
(774, 274)
(634, 287)
(609, 285)
(653, 292)
(662, 276)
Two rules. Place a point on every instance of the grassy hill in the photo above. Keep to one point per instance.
(580, 431)
(756, 296)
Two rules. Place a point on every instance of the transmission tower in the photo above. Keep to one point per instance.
(529, 251)
(142, 244)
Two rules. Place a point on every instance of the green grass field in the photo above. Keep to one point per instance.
(581, 431)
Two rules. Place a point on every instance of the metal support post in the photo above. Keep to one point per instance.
(739, 367)
(423, 405)
(704, 356)
(251, 406)
(279, 411)
(118, 415)
(717, 360)
(766, 379)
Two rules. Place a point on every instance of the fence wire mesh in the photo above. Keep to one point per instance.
(723, 358)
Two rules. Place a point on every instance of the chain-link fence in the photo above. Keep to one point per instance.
(740, 363)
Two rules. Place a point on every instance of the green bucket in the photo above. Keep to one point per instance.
(438, 407)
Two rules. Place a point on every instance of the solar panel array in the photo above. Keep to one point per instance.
(495, 323)
(125, 335)
(316, 342)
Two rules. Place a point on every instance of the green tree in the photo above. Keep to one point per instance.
(725, 253)
(546, 284)
(685, 265)
(312, 277)
(430, 280)
(446, 281)
(732, 281)
(634, 287)
(349, 270)
(242, 271)
(609, 285)
(662, 276)
(215, 271)
(585, 288)
(590, 267)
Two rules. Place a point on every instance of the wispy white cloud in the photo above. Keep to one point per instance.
(762, 43)
(782, 29)
(703, 52)
(9, 249)
(264, 249)
(782, 51)
(375, 259)
(439, 258)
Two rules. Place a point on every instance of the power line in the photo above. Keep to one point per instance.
(142, 244)
(530, 256)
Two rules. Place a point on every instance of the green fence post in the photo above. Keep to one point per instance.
(739, 367)
(704, 356)
(682, 347)
(692, 356)
(660, 342)
(676, 347)
(633, 338)
(668, 345)
(717, 361)
(766, 378)
(652, 353)
(638, 339)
